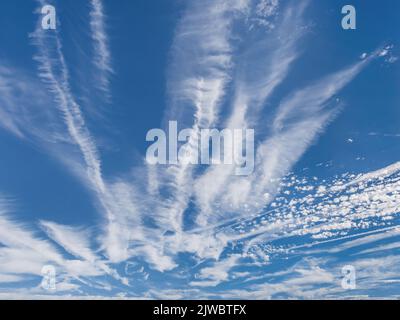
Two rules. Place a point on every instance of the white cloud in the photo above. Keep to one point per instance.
(253, 86)
(102, 55)
(54, 72)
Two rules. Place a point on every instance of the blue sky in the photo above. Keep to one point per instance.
(77, 194)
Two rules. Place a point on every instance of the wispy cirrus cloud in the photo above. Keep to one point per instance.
(102, 54)
(228, 64)
(54, 73)
(302, 114)
(21, 101)
(21, 243)
(203, 44)
(252, 90)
